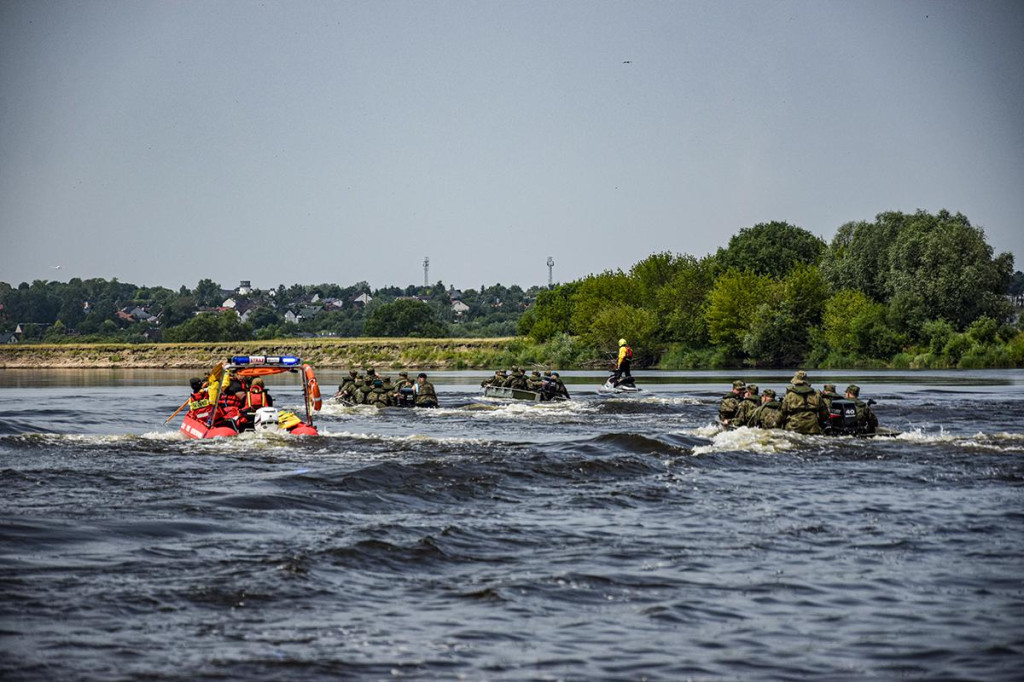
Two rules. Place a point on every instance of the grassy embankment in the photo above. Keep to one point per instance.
(484, 353)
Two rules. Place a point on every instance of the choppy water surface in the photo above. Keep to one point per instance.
(608, 539)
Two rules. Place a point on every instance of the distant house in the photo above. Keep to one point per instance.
(309, 312)
(125, 314)
(316, 297)
(229, 303)
(333, 304)
(362, 299)
(291, 317)
(244, 288)
(459, 308)
(8, 338)
(142, 315)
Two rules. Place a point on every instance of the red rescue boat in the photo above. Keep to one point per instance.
(209, 418)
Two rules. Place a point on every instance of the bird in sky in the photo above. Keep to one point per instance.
(55, 267)
(627, 62)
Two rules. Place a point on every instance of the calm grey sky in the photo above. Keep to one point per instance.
(282, 142)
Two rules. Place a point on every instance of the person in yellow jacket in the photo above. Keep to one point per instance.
(622, 363)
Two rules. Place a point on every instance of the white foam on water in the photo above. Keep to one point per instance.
(411, 438)
(744, 439)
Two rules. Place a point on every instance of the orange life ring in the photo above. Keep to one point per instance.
(312, 387)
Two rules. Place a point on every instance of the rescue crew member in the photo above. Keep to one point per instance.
(622, 363)
(199, 406)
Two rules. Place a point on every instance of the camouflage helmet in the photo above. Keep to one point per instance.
(536, 373)
(799, 377)
(853, 389)
(738, 384)
(829, 388)
(752, 389)
(768, 392)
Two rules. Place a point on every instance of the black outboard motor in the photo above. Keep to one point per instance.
(842, 418)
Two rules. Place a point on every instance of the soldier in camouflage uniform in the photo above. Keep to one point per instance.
(426, 396)
(363, 391)
(749, 404)
(731, 402)
(828, 394)
(347, 390)
(866, 419)
(497, 380)
(803, 409)
(561, 390)
(378, 395)
(534, 382)
(769, 414)
(519, 379)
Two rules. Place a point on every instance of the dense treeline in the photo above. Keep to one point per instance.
(907, 290)
(98, 310)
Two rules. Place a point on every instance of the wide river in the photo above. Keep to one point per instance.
(598, 539)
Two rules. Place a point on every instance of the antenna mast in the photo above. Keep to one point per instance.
(426, 270)
(551, 270)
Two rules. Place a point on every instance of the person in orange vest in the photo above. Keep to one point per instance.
(256, 396)
(623, 362)
(229, 406)
(199, 406)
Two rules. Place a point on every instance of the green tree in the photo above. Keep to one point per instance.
(404, 317)
(636, 325)
(681, 302)
(732, 303)
(207, 293)
(923, 267)
(551, 314)
(771, 249)
(210, 327)
(596, 292)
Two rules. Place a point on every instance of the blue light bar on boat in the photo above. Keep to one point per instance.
(280, 360)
